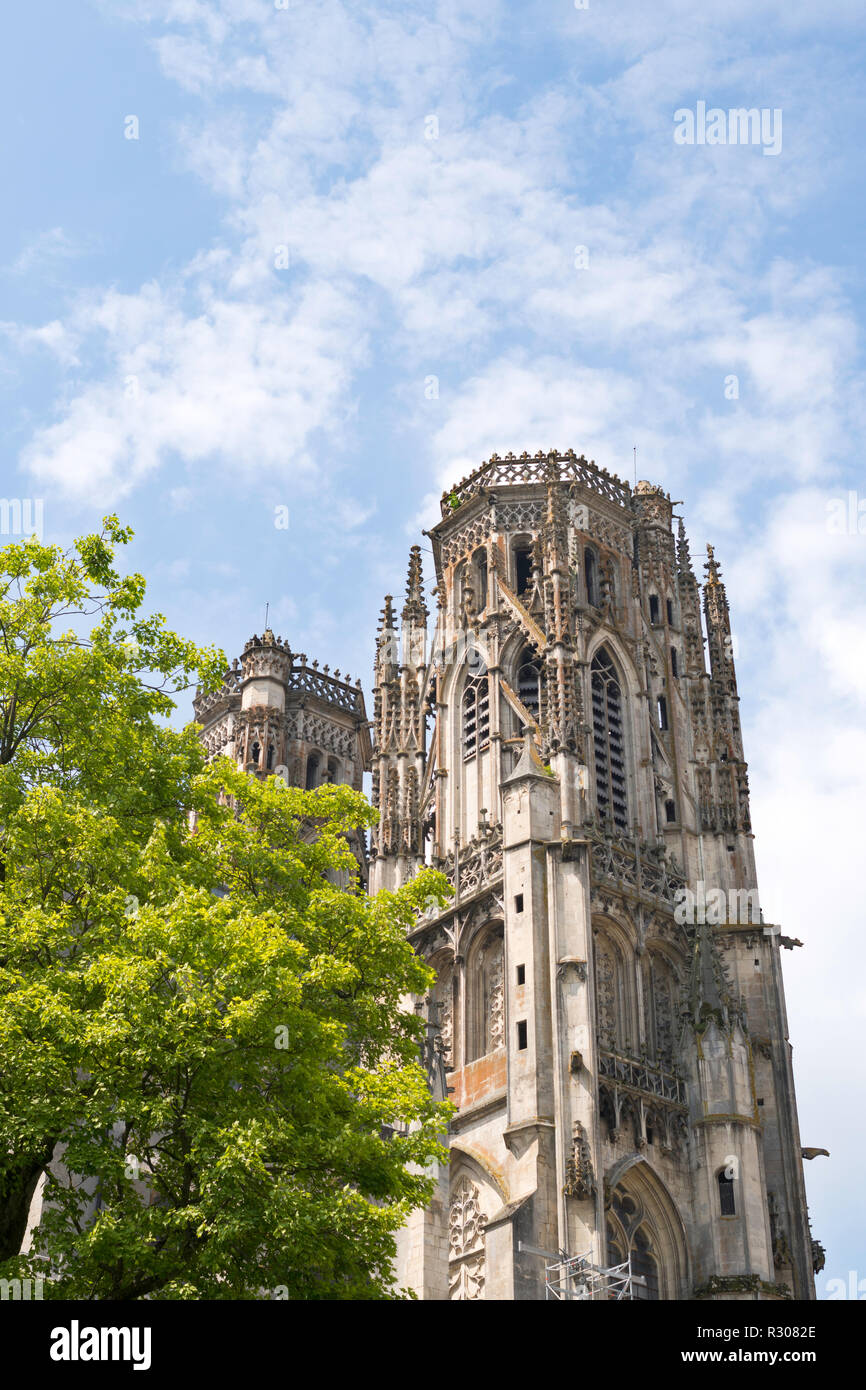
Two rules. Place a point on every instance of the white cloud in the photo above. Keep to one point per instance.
(247, 382)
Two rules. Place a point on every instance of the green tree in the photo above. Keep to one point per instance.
(207, 1025)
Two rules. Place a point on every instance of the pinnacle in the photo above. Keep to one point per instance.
(714, 574)
(415, 606)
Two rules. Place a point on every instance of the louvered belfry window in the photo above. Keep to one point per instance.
(609, 742)
(476, 715)
(529, 682)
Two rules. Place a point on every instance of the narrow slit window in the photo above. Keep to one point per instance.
(521, 974)
(518, 902)
(481, 576)
(670, 607)
(590, 574)
(522, 1042)
(675, 662)
(654, 608)
(727, 1201)
(663, 712)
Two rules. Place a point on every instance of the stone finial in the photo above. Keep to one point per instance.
(714, 574)
(387, 621)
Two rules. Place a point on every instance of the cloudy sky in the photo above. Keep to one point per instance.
(323, 256)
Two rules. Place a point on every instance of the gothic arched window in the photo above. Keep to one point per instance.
(529, 682)
(443, 1000)
(609, 741)
(630, 1241)
(312, 779)
(475, 714)
(522, 565)
(270, 761)
(661, 1006)
(486, 983)
(255, 753)
(727, 1200)
(644, 1266)
(614, 992)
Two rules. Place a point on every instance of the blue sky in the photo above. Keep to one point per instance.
(159, 362)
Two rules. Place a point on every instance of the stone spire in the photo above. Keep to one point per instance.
(732, 783)
(690, 606)
(400, 732)
(718, 620)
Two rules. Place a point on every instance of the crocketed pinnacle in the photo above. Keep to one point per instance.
(684, 558)
(415, 607)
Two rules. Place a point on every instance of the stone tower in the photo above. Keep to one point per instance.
(608, 994)
(278, 713)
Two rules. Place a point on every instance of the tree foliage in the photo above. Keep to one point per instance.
(201, 1012)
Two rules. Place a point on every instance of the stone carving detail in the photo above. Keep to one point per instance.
(328, 688)
(579, 1175)
(519, 516)
(467, 539)
(637, 1074)
(494, 996)
(568, 467)
(660, 998)
(589, 522)
(480, 862)
(643, 868)
(443, 995)
(466, 1239)
(605, 969)
(782, 1256)
(664, 1022)
(324, 733)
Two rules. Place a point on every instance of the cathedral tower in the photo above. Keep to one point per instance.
(609, 996)
(278, 713)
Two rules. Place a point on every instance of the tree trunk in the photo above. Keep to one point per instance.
(18, 1179)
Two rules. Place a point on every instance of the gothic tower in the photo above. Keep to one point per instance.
(609, 996)
(278, 713)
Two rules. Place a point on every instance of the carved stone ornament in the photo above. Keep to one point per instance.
(466, 1239)
(579, 1175)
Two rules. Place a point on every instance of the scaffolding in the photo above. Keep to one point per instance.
(576, 1276)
